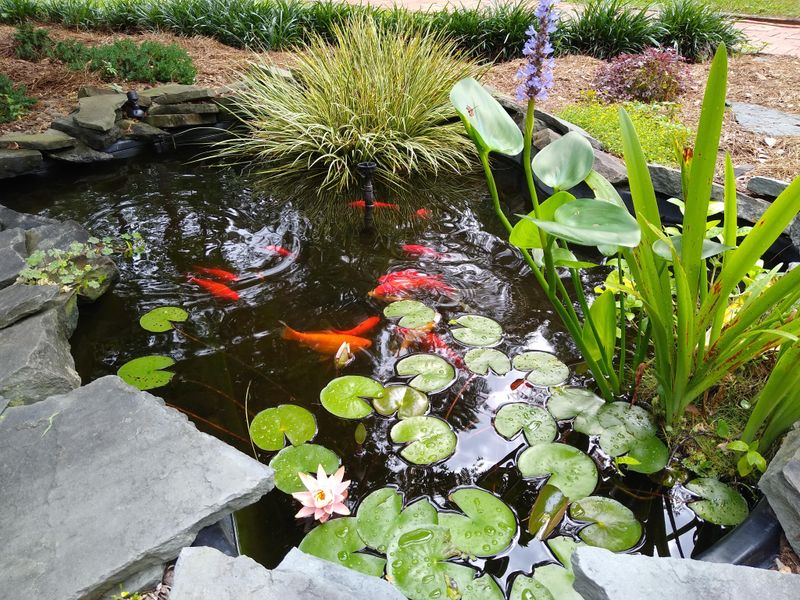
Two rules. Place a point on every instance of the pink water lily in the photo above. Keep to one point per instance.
(325, 495)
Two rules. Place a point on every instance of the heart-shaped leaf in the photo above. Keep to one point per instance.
(544, 368)
(476, 330)
(431, 373)
(471, 587)
(146, 372)
(344, 396)
(431, 439)
(482, 360)
(381, 517)
(565, 162)
(413, 314)
(613, 525)
(268, 428)
(720, 504)
(161, 319)
(487, 526)
(415, 562)
(338, 541)
(623, 424)
(536, 422)
(549, 582)
(709, 248)
(583, 405)
(525, 234)
(304, 458)
(570, 470)
(650, 454)
(401, 399)
(593, 223)
(487, 122)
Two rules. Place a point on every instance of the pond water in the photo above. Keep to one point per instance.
(228, 351)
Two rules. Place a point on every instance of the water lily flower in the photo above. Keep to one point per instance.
(324, 496)
(344, 356)
(536, 74)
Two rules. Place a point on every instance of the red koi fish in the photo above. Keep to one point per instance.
(325, 342)
(423, 213)
(220, 274)
(400, 283)
(365, 326)
(219, 290)
(414, 250)
(376, 204)
(279, 250)
(431, 342)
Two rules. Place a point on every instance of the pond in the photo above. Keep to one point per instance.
(229, 352)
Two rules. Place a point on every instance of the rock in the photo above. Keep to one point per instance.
(794, 232)
(561, 126)
(740, 170)
(87, 91)
(176, 93)
(13, 252)
(113, 482)
(182, 120)
(99, 113)
(183, 109)
(610, 167)
(35, 361)
(81, 154)
(137, 130)
(58, 235)
(766, 186)
(3, 404)
(49, 140)
(766, 121)
(11, 218)
(96, 139)
(603, 575)
(781, 486)
(19, 300)
(19, 162)
(105, 272)
(544, 137)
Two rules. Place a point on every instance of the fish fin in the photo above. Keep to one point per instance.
(288, 333)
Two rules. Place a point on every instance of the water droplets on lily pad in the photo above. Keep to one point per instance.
(612, 525)
(415, 562)
(544, 369)
(162, 318)
(401, 399)
(430, 373)
(270, 426)
(583, 405)
(413, 314)
(552, 581)
(344, 396)
(570, 470)
(720, 503)
(429, 439)
(304, 458)
(482, 360)
(381, 517)
(475, 330)
(534, 421)
(487, 526)
(147, 372)
(338, 541)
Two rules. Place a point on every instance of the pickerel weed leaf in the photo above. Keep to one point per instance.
(338, 541)
(344, 396)
(487, 122)
(720, 504)
(161, 319)
(487, 526)
(430, 439)
(544, 369)
(401, 399)
(481, 360)
(536, 422)
(613, 525)
(413, 314)
(709, 248)
(570, 470)
(475, 330)
(547, 512)
(304, 458)
(525, 234)
(270, 426)
(593, 223)
(431, 373)
(146, 372)
(565, 162)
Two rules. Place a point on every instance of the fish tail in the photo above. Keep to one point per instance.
(288, 333)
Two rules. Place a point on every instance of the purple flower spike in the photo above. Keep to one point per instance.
(536, 76)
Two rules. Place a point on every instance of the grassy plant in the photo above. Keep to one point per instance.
(375, 95)
(14, 100)
(150, 62)
(696, 30)
(780, 8)
(31, 43)
(73, 54)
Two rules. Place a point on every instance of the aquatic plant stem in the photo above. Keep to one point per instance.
(458, 396)
(526, 157)
(207, 422)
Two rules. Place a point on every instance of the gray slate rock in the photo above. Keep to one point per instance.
(603, 575)
(19, 162)
(181, 120)
(99, 113)
(766, 121)
(113, 482)
(13, 252)
(35, 362)
(185, 108)
(48, 140)
(766, 186)
(781, 486)
(11, 218)
(543, 137)
(19, 300)
(99, 140)
(175, 93)
(58, 235)
(81, 154)
(610, 167)
(137, 130)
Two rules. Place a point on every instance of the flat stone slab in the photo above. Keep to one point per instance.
(81, 154)
(603, 575)
(181, 120)
(19, 162)
(58, 235)
(13, 252)
(781, 486)
(137, 130)
(99, 113)
(51, 139)
(11, 218)
(183, 109)
(175, 93)
(766, 186)
(105, 481)
(766, 121)
(98, 140)
(19, 300)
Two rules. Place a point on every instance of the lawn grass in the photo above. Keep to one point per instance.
(771, 8)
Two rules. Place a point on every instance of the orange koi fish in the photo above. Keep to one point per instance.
(414, 250)
(279, 250)
(365, 326)
(218, 290)
(376, 204)
(220, 274)
(431, 342)
(399, 283)
(423, 213)
(325, 342)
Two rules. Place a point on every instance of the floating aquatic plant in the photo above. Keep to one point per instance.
(401, 399)
(345, 396)
(487, 526)
(428, 439)
(338, 541)
(534, 421)
(613, 525)
(475, 330)
(147, 372)
(324, 496)
(305, 458)
(570, 470)
(162, 318)
(269, 427)
(544, 369)
(430, 373)
(719, 504)
(482, 360)
(413, 314)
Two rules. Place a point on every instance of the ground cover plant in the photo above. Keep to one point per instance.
(773, 8)
(655, 75)
(14, 100)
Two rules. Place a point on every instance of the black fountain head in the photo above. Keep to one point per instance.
(131, 107)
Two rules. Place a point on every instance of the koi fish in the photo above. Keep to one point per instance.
(423, 213)
(218, 290)
(365, 326)
(432, 342)
(399, 283)
(376, 204)
(279, 250)
(414, 250)
(221, 274)
(325, 342)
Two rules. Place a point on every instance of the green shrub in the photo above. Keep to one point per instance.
(31, 43)
(14, 100)
(657, 124)
(73, 54)
(151, 62)
(696, 30)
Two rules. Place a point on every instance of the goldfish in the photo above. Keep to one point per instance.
(415, 250)
(376, 204)
(279, 250)
(430, 341)
(423, 213)
(397, 284)
(221, 274)
(365, 326)
(218, 290)
(325, 342)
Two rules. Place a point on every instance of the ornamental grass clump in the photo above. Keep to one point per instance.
(373, 95)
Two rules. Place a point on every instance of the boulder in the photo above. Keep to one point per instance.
(766, 186)
(13, 252)
(781, 486)
(99, 113)
(544, 137)
(19, 300)
(610, 167)
(11, 218)
(175, 93)
(181, 120)
(48, 140)
(198, 108)
(766, 121)
(98, 140)
(137, 130)
(603, 575)
(58, 235)
(87, 91)
(81, 154)
(35, 360)
(113, 482)
(19, 162)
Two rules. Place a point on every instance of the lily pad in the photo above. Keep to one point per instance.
(161, 319)
(344, 396)
(721, 504)
(476, 330)
(583, 405)
(570, 470)
(482, 360)
(146, 372)
(401, 399)
(269, 427)
(431, 373)
(413, 314)
(376, 516)
(417, 514)
(431, 439)
(651, 455)
(304, 458)
(613, 525)
(487, 526)
(545, 369)
(470, 587)
(623, 425)
(536, 422)
(415, 562)
(549, 582)
(338, 541)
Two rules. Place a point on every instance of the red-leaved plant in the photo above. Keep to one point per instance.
(655, 75)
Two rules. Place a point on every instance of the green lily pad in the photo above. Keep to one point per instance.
(651, 455)
(417, 514)
(545, 369)
(338, 541)
(415, 562)
(549, 582)
(471, 587)
(431, 373)
(344, 396)
(146, 372)
(482, 360)
(583, 405)
(613, 525)
(487, 526)
(570, 470)
(476, 330)
(487, 122)
(269, 427)
(623, 425)
(565, 162)
(161, 319)
(593, 223)
(304, 458)
(431, 439)
(401, 399)
(536, 422)
(376, 516)
(721, 504)
(413, 314)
